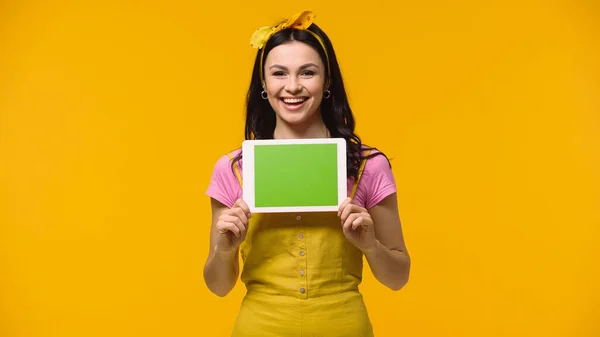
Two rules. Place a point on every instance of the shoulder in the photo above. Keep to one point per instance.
(225, 161)
(375, 160)
(224, 184)
(377, 179)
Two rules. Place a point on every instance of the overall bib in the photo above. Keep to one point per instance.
(301, 276)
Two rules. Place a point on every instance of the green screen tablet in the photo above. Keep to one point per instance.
(294, 175)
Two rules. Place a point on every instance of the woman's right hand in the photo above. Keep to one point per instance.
(232, 227)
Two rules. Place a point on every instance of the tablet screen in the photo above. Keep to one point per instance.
(294, 175)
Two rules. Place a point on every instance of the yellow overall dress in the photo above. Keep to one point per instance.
(302, 277)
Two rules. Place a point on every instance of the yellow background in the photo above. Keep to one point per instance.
(113, 113)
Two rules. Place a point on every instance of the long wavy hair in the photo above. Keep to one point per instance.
(335, 110)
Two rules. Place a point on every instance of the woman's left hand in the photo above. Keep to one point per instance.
(357, 225)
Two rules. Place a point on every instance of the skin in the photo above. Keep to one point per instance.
(294, 70)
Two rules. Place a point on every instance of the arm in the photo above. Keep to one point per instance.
(222, 266)
(388, 257)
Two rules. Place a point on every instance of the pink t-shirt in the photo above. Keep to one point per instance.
(376, 182)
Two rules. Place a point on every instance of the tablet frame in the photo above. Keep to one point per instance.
(248, 174)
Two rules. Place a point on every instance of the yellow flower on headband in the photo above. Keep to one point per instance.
(301, 21)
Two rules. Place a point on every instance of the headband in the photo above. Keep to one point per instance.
(299, 21)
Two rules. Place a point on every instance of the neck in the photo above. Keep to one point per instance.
(316, 129)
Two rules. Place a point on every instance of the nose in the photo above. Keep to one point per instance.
(293, 86)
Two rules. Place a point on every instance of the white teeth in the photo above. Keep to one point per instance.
(293, 100)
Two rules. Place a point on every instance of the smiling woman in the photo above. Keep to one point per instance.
(302, 271)
(296, 61)
(295, 88)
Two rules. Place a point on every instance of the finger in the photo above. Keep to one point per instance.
(242, 204)
(349, 209)
(238, 212)
(237, 222)
(343, 205)
(229, 227)
(347, 226)
(363, 220)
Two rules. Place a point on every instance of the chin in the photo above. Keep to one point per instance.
(293, 118)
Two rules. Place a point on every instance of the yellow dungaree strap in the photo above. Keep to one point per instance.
(237, 172)
(360, 172)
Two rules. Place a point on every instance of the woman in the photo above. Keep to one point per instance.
(302, 271)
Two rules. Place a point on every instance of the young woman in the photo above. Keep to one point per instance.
(302, 271)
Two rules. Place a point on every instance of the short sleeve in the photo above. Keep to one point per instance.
(224, 185)
(376, 183)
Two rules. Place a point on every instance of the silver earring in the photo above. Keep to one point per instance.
(327, 94)
(264, 95)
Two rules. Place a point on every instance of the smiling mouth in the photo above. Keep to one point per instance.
(294, 101)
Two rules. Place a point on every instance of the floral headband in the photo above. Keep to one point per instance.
(300, 21)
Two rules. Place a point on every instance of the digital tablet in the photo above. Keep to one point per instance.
(294, 175)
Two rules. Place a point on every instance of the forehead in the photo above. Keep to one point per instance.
(293, 54)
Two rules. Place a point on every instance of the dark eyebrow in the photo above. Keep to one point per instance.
(304, 66)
